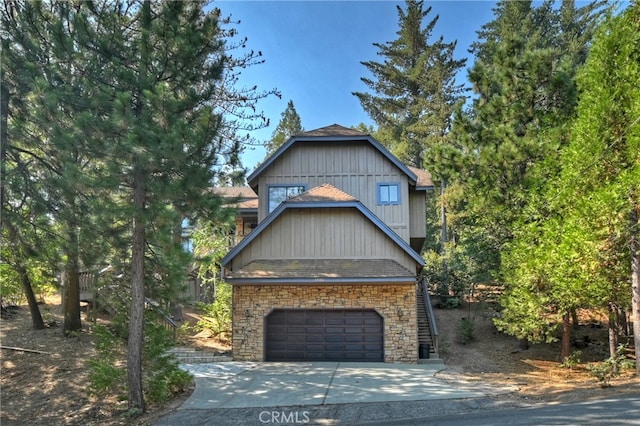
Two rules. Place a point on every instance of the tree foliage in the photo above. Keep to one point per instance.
(413, 90)
(119, 118)
(289, 125)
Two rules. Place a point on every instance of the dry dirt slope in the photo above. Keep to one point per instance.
(50, 388)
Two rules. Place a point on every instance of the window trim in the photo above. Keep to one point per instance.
(379, 185)
(304, 187)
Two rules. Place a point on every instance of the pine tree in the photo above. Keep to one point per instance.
(414, 92)
(48, 98)
(505, 145)
(506, 159)
(289, 125)
(121, 125)
(601, 173)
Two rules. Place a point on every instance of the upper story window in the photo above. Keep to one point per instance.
(388, 193)
(280, 193)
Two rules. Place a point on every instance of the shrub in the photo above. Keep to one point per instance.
(572, 360)
(162, 377)
(610, 367)
(217, 315)
(466, 329)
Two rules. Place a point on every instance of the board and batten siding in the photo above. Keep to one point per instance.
(354, 167)
(418, 214)
(326, 233)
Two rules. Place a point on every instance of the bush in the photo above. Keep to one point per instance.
(611, 367)
(466, 329)
(217, 315)
(108, 376)
(449, 302)
(162, 378)
(572, 360)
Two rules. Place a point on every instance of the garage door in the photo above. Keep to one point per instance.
(324, 335)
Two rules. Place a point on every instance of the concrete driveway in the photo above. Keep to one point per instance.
(250, 385)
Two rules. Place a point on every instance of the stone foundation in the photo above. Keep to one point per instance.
(396, 303)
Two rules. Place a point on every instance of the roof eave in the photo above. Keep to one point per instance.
(327, 280)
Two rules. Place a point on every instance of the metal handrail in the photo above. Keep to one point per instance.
(433, 326)
(169, 323)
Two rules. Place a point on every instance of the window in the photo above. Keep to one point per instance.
(280, 193)
(388, 193)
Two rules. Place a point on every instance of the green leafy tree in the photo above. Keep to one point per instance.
(289, 125)
(413, 90)
(601, 169)
(505, 144)
(505, 157)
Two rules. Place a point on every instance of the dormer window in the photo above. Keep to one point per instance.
(280, 193)
(388, 193)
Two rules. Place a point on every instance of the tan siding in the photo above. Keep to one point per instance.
(417, 214)
(322, 234)
(355, 168)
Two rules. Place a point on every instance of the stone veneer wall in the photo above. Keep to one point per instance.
(396, 303)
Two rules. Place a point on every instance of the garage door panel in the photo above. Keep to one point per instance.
(324, 334)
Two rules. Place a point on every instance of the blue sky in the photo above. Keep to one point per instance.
(313, 51)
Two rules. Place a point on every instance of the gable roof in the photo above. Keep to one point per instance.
(334, 133)
(324, 192)
(323, 196)
(240, 197)
(424, 180)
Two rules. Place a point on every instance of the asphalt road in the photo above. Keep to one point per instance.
(624, 410)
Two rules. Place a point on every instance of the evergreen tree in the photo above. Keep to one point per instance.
(600, 196)
(414, 92)
(505, 145)
(45, 96)
(289, 125)
(506, 159)
(119, 122)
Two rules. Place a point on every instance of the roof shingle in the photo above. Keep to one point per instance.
(325, 192)
(319, 269)
(333, 130)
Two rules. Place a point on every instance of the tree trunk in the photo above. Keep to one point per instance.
(574, 318)
(614, 331)
(4, 140)
(566, 336)
(36, 317)
(634, 246)
(71, 302)
(136, 320)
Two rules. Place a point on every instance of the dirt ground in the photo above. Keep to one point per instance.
(50, 387)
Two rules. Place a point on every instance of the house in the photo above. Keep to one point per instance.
(245, 202)
(331, 270)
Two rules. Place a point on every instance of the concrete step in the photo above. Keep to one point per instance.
(433, 359)
(189, 355)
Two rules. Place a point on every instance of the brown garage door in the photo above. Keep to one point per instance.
(324, 335)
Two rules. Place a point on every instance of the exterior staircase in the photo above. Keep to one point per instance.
(427, 329)
(188, 355)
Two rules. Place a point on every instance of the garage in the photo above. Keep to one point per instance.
(324, 335)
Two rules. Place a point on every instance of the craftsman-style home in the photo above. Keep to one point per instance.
(330, 270)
